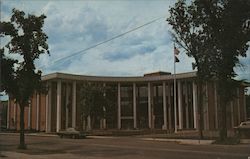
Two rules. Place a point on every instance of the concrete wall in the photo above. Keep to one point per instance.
(30, 119)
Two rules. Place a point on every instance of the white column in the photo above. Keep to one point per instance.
(67, 109)
(37, 111)
(119, 106)
(74, 105)
(169, 106)
(164, 105)
(180, 105)
(58, 105)
(134, 105)
(216, 106)
(149, 107)
(48, 108)
(186, 101)
(195, 104)
(29, 114)
(88, 123)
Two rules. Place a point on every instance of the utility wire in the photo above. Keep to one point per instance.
(103, 42)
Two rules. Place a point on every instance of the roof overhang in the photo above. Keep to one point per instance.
(65, 76)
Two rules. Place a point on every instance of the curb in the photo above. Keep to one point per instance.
(99, 137)
(183, 141)
(43, 135)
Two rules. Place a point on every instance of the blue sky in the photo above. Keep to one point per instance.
(75, 25)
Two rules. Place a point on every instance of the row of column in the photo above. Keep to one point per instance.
(30, 119)
(59, 106)
(180, 111)
(166, 116)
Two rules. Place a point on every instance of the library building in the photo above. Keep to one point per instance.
(136, 103)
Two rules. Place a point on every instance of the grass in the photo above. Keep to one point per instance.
(228, 141)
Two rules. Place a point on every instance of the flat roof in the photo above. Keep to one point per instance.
(66, 76)
(157, 73)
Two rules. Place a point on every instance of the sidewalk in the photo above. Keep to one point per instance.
(17, 155)
(182, 141)
(98, 147)
(151, 137)
(31, 134)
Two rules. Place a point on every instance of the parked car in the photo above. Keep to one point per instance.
(72, 133)
(244, 125)
(243, 130)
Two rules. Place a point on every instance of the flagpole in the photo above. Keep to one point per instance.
(175, 112)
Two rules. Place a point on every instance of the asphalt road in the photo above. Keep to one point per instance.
(115, 147)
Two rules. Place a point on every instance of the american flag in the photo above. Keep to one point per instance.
(176, 52)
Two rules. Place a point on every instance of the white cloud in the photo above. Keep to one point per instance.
(92, 22)
(75, 25)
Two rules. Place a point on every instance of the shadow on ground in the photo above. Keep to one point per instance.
(39, 148)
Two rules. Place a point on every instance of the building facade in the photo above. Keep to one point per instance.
(145, 102)
(3, 114)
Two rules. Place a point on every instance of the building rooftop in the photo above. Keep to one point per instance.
(159, 73)
(157, 76)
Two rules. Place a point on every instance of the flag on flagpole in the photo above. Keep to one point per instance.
(176, 59)
(176, 51)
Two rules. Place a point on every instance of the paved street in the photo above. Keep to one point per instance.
(40, 147)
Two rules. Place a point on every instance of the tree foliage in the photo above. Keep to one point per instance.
(92, 101)
(96, 101)
(111, 105)
(20, 79)
(215, 33)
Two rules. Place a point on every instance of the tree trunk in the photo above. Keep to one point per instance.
(223, 121)
(200, 103)
(22, 139)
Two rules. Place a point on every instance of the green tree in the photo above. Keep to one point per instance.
(20, 79)
(98, 101)
(189, 35)
(92, 101)
(110, 102)
(215, 33)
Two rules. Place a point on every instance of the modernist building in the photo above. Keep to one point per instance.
(145, 102)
